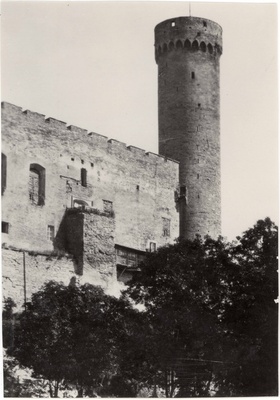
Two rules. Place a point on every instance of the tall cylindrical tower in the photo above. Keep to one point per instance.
(187, 51)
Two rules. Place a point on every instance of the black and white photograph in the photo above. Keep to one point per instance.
(139, 199)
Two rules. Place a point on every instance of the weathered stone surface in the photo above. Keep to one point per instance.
(140, 186)
(187, 53)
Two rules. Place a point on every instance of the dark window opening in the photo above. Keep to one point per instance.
(187, 44)
(67, 166)
(82, 161)
(199, 104)
(5, 227)
(195, 45)
(203, 46)
(183, 191)
(198, 33)
(36, 185)
(210, 48)
(193, 75)
(72, 159)
(50, 233)
(171, 46)
(197, 176)
(91, 164)
(3, 173)
(204, 24)
(83, 177)
(166, 227)
(179, 44)
(137, 187)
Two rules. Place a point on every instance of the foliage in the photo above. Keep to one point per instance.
(70, 334)
(211, 305)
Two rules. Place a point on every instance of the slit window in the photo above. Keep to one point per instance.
(83, 177)
(5, 227)
(50, 233)
(36, 185)
(3, 172)
(193, 75)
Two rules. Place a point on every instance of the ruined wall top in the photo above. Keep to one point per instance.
(76, 134)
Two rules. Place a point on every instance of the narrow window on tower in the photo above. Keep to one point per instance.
(183, 191)
(50, 233)
(83, 177)
(5, 227)
(193, 75)
(173, 23)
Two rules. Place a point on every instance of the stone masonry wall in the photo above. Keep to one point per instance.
(140, 185)
(188, 50)
(41, 269)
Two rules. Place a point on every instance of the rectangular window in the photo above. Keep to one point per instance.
(107, 206)
(166, 227)
(50, 233)
(5, 227)
(183, 191)
(83, 177)
(153, 247)
(193, 75)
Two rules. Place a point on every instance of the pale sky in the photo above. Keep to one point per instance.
(92, 64)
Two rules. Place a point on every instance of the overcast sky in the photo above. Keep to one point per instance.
(92, 65)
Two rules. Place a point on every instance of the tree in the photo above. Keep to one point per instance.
(70, 334)
(214, 318)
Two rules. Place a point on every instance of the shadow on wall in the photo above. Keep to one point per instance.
(69, 238)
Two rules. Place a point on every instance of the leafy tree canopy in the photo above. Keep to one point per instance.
(213, 311)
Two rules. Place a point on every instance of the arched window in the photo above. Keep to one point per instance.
(195, 45)
(210, 48)
(3, 173)
(37, 184)
(179, 44)
(164, 47)
(187, 44)
(203, 46)
(171, 46)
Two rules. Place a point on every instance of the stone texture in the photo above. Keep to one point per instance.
(140, 185)
(189, 116)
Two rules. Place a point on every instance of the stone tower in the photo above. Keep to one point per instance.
(187, 51)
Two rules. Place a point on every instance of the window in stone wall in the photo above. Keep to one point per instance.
(183, 191)
(50, 233)
(83, 177)
(3, 172)
(36, 185)
(193, 75)
(153, 247)
(166, 227)
(5, 227)
(107, 206)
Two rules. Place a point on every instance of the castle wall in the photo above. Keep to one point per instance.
(140, 185)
